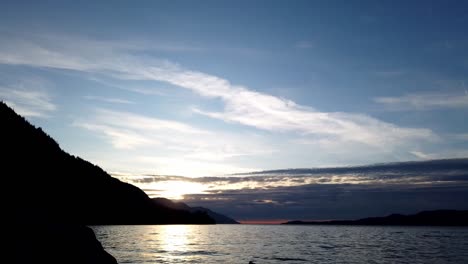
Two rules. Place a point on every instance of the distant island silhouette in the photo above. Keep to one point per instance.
(217, 217)
(424, 218)
(53, 195)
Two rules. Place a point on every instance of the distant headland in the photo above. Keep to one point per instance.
(424, 218)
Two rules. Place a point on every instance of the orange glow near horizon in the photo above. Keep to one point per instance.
(263, 222)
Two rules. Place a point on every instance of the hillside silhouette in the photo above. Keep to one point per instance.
(52, 195)
(55, 185)
(424, 218)
(217, 217)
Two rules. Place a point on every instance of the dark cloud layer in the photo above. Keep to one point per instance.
(332, 201)
(335, 193)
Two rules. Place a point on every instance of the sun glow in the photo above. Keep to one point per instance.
(177, 189)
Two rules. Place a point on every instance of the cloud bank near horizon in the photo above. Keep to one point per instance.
(325, 193)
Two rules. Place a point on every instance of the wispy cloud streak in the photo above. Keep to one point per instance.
(171, 146)
(241, 104)
(108, 99)
(28, 98)
(424, 101)
(126, 130)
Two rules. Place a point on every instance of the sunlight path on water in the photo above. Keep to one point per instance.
(275, 244)
(175, 238)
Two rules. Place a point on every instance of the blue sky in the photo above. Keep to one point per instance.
(215, 87)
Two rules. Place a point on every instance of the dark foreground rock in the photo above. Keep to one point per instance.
(59, 243)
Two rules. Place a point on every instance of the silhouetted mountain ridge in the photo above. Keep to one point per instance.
(424, 218)
(53, 194)
(217, 217)
(66, 188)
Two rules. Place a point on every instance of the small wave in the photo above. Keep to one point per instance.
(435, 236)
(159, 251)
(289, 259)
(196, 252)
(326, 247)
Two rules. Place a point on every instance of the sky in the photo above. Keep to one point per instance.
(208, 89)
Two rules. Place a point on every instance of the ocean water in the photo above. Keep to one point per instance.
(283, 244)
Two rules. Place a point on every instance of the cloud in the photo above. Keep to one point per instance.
(29, 98)
(421, 155)
(172, 147)
(391, 73)
(126, 130)
(108, 99)
(242, 105)
(463, 136)
(449, 153)
(190, 166)
(267, 112)
(304, 44)
(327, 193)
(120, 138)
(332, 201)
(402, 173)
(424, 101)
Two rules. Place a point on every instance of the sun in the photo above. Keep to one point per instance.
(175, 190)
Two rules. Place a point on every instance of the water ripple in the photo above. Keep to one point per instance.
(284, 244)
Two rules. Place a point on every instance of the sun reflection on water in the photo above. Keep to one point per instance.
(175, 237)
